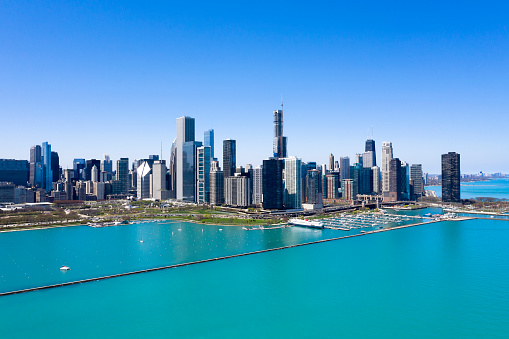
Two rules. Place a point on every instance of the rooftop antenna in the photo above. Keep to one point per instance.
(281, 101)
(161, 158)
(371, 132)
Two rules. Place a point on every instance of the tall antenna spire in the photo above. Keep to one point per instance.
(281, 100)
(161, 158)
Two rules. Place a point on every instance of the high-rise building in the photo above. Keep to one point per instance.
(313, 187)
(366, 181)
(7, 192)
(15, 171)
(237, 191)
(122, 177)
(79, 168)
(257, 180)
(368, 159)
(386, 160)
(185, 182)
(216, 186)
(331, 162)
(417, 180)
(47, 173)
(36, 166)
(143, 186)
(229, 157)
(404, 175)
(159, 191)
(94, 174)
(88, 168)
(203, 174)
(106, 168)
(272, 182)
(395, 189)
(358, 159)
(172, 185)
(451, 177)
(208, 140)
(293, 183)
(332, 185)
(347, 189)
(376, 179)
(189, 171)
(370, 147)
(344, 168)
(279, 140)
(55, 166)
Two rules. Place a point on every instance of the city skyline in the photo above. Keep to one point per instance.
(67, 83)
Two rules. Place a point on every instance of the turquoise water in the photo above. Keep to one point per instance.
(496, 188)
(441, 280)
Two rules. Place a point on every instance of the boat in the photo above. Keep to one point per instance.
(65, 268)
(306, 223)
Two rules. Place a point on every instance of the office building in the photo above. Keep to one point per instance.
(15, 171)
(185, 159)
(78, 166)
(405, 181)
(386, 160)
(144, 173)
(272, 182)
(451, 177)
(7, 192)
(229, 158)
(99, 190)
(35, 166)
(331, 162)
(94, 174)
(203, 174)
(416, 178)
(237, 191)
(347, 189)
(47, 173)
(370, 147)
(368, 159)
(159, 190)
(257, 181)
(358, 159)
(121, 183)
(395, 182)
(313, 187)
(344, 170)
(216, 186)
(88, 168)
(293, 183)
(208, 141)
(332, 185)
(55, 166)
(280, 142)
(376, 179)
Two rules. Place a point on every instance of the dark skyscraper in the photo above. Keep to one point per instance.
(451, 177)
(121, 183)
(272, 183)
(88, 168)
(279, 139)
(208, 140)
(394, 180)
(370, 146)
(229, 158)
(35, 166)
(55, 166)
(15, 171)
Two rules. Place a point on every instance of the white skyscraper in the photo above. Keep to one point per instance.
(386, 159)
(143, 173)
(94, 173)
(203, 174)
(368, 159)
(293, 183)
(257, 186)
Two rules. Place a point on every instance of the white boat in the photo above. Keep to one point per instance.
(306, 223)
(65, 268)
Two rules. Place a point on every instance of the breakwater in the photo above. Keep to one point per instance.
(203, 261)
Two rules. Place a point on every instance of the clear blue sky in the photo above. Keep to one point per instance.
(112, 77)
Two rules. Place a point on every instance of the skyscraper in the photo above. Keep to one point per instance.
(88, 168)
(208, 140)
(185, 134)
(36, 166)
(55, 166)
(279, 140)
(417, 181)
(216, 186)
(122, 177)
(368, 159)
(15, 171)
(313, 187)
(451, 177)
(370, 147)
(293, 183)
(344, 168)
(159, 191)
(47, 173)
(272, 182)
(331, 162)
(386, 160)
(188, 160)
(237, 191)
(203, 174)
(79, 166)
(229, 158)
(143, 186)
(257, 185)
(395, 189)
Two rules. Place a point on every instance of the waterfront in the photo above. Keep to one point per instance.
(495, 188)
(446, 279)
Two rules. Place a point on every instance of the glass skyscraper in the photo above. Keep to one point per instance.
(451, 177)
(208, 140)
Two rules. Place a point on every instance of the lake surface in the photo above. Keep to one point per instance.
(447, 279)
(496, 188)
